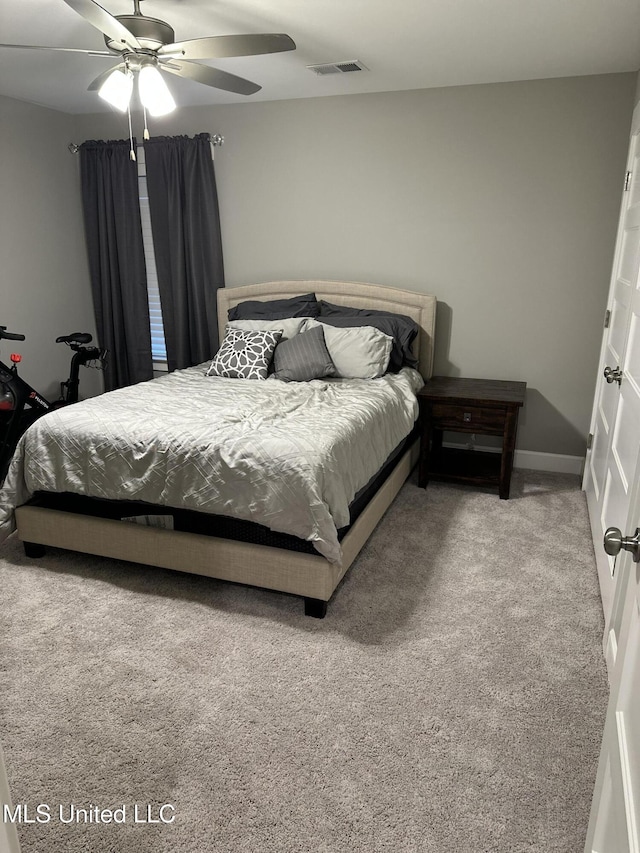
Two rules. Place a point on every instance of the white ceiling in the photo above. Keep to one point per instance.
(406, 44)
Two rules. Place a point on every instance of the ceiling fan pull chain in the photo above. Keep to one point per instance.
(132, 153)
(145, 135)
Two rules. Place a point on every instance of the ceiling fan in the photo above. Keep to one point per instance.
(147, 46)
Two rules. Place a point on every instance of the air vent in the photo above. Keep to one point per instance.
(338, 67)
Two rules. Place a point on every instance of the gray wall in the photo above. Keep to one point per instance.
(502, 200)
(45, 288)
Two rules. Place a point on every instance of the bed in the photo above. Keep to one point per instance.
(313, 576)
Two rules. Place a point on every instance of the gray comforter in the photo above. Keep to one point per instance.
(290, 456)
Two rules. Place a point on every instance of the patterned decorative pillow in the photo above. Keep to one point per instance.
(244, 354)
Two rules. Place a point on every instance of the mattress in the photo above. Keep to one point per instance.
(218, 526)
(289, 456)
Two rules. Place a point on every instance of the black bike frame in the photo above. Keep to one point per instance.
(69, 389)
(29, 405)
(17, 418)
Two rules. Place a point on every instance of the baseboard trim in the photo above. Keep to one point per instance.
(535, 460)
(562, 463)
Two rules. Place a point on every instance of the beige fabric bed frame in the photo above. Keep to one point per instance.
(307, 575)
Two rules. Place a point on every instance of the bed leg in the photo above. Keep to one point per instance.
(34, 549)
(315, 607)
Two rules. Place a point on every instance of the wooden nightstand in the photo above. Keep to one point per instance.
(479, 406)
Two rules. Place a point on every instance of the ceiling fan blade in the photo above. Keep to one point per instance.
(211, 77)
(63, 49)
(218, 47)
(104, 21)
(96, 84)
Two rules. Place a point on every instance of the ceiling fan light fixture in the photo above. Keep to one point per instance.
(143, 44)
(154, 92)
(117, 88)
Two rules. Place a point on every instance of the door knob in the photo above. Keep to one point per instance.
(614, 542)
(613, 374)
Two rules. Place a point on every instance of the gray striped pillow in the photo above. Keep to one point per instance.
(303, 357)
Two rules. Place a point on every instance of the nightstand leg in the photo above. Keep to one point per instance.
(508, 450)
(425, 450)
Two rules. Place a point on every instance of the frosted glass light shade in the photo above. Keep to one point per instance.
(116, 89)
(154, 92)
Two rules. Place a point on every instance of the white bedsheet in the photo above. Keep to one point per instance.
(290, 456)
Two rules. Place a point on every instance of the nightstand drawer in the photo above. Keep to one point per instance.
(454, 417)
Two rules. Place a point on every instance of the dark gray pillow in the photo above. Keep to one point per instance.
(277, 309)
(303, 357)
(402, 329)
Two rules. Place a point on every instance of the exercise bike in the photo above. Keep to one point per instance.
(21, 405)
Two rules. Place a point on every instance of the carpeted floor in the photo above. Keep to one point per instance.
(451, 702)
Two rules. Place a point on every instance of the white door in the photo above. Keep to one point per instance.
(614, 825)
(8, 834)
(612, 459)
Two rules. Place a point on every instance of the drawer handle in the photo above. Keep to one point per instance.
(466, 417)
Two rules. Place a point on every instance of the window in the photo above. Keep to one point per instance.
(158, 345)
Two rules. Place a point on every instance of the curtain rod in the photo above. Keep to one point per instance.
(214, 138)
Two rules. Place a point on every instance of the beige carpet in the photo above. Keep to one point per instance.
(452, 700)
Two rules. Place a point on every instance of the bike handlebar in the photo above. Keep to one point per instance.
(10, 336)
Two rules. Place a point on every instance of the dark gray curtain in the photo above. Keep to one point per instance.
(183, 203)
(116, 260)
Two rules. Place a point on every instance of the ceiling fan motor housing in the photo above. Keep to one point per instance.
(150, 32)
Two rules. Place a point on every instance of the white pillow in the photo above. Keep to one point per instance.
(358, 352)
(289, 327)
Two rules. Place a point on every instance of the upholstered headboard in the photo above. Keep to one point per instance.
(419, 306)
